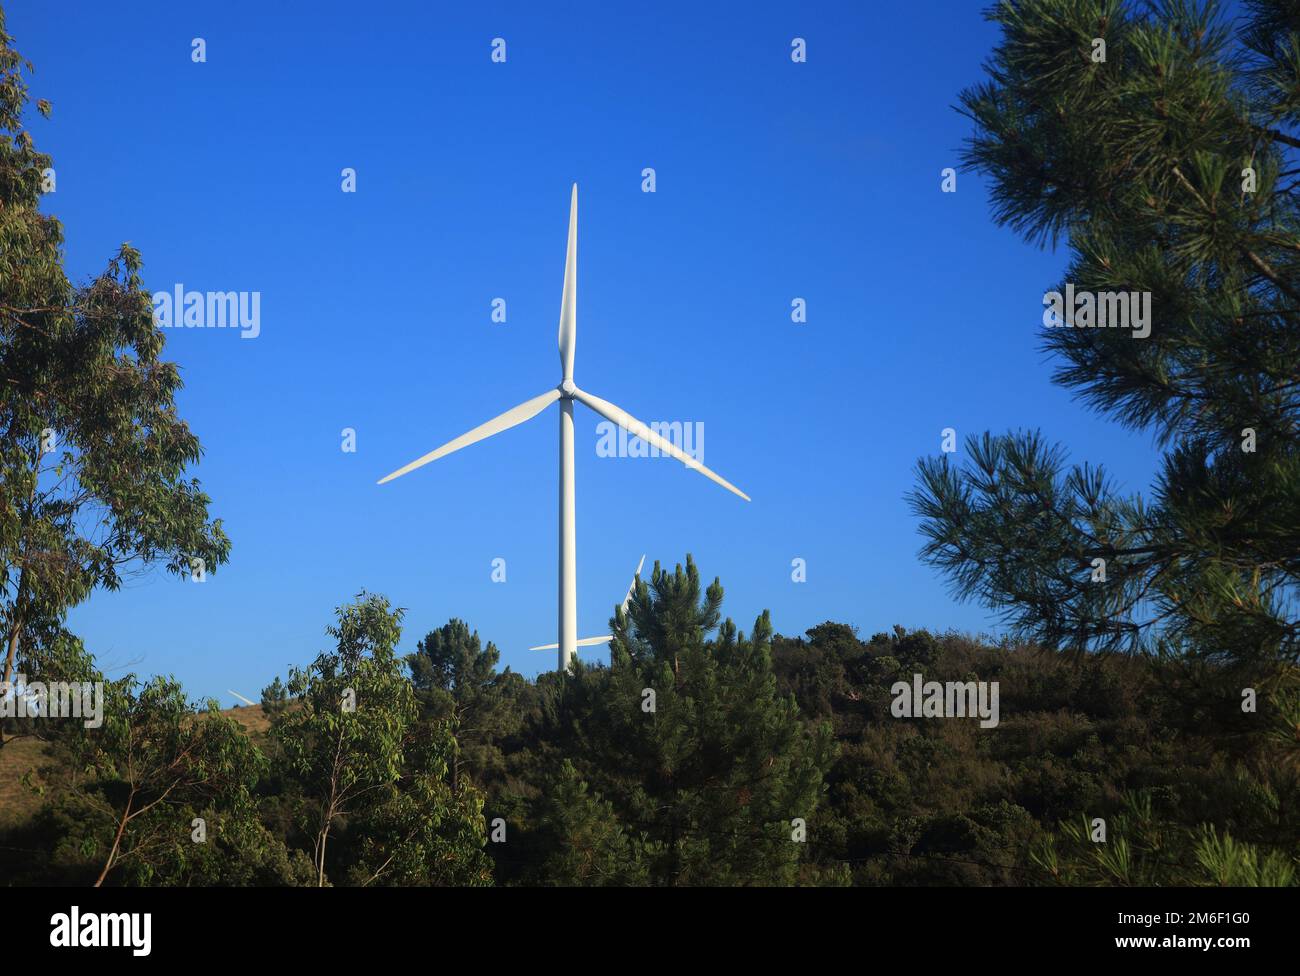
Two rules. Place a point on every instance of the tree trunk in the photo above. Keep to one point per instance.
(11, 655)
(117, 841)
(11, 652)
(320, 861)
(20, 595)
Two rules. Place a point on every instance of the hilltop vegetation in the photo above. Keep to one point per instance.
(450, 771)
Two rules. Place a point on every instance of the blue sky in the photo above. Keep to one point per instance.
(775, 180)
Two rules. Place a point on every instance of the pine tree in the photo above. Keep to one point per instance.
(455, 678)
(1146, 850)
(1166, 157)
(578, 840)
(275, 698)
(686, 736)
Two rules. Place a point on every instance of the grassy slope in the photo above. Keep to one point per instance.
(19, 802)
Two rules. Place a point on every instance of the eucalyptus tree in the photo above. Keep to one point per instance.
(93, 454)
(366, 768)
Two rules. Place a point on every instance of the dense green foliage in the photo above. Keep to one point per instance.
(1167, 161)
(1170, 166)
(580, 783)
(703, 760)
(456, 679)
(92, 453)
(361, 763)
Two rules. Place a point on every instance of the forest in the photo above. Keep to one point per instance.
(762, 760)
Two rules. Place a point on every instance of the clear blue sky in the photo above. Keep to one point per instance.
(775, 180)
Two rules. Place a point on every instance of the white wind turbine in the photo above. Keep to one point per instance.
(593, 641)
(567, 393)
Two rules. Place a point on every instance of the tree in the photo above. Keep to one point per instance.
(358, 754)
(143, 777)
(275, 698)
(92, 452)
(578, 840)
(456, 678)
(687, 738)
(424, 830)
(1143, 849)
(1169, 164)
(63, 658)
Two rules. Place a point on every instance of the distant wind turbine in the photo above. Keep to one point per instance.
(593, 641)
(241, 697)
(567, 393)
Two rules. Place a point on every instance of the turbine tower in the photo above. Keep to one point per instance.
(593, 641)
(567, 393)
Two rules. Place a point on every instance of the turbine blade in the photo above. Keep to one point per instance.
(569, 300)
(512, 417)
(624, 419)
(593, 641)
(632, 586)
(584, 642)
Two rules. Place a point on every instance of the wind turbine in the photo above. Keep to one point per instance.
(593, 641)
(567, 393)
